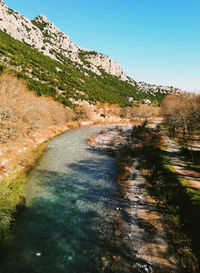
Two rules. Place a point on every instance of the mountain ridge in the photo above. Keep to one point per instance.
(43, 35)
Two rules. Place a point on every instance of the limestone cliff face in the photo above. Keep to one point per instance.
(43, 35)
(154, 89)
(19, 27)
(56, 41)
(39, 33)
(107, 64)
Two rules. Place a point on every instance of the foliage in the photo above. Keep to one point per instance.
(182, 213)
(124, 162)
(11, 195)
(1, 69)
(12, 190)
(11, 11)
(190, 155)
(23, 117)
(47, 76)
(40, 25)
(181, 112)
(22, 112)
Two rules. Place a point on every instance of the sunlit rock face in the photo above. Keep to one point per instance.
(42, 34)
(19, 27)
(108, 65)
(39, 33)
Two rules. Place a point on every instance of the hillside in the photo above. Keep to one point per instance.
(62, 81)
(62, 69)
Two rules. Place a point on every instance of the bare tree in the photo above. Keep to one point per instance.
(181, 112)
(21, 112)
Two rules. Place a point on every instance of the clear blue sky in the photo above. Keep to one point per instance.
(157, 41)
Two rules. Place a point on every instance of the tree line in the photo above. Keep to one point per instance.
(182, 114)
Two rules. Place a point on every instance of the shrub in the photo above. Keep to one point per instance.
(21, 111)
(71, 77)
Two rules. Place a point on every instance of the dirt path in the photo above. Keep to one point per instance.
(185, 172)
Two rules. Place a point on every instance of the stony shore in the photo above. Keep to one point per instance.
(139, 223)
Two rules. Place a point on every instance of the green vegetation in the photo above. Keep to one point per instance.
(41, 26)
(12, 194)
(1, 69)
(124, 161)
(12, 190)
(46, 76)
(194, 193)
(181, 211)
(83, 54)
(11, 11)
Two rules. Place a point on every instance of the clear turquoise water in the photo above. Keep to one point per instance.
(71, 197)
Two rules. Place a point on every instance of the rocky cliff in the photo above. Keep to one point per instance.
(43, 35)
(155, 89)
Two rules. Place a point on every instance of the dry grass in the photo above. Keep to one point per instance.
(22, 113)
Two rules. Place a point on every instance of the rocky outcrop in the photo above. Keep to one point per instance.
(43, 35)
(107, 64)
(39, 33)
(19, 27)
(154, 89)
(55, 41)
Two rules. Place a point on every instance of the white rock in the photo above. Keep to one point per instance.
(4, 162)
(107, 64)
(49, 39)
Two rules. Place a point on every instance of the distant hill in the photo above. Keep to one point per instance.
(52, 65)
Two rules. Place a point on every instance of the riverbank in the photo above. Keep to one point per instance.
(150, 195)
(71, 200)
(15, 165)
(138, 219)
(16, 162)
(18, 156)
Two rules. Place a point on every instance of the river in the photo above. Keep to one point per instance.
(67, 225)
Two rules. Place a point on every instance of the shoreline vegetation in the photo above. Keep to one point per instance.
(173, 212)
(12, 199)
(180, 212)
